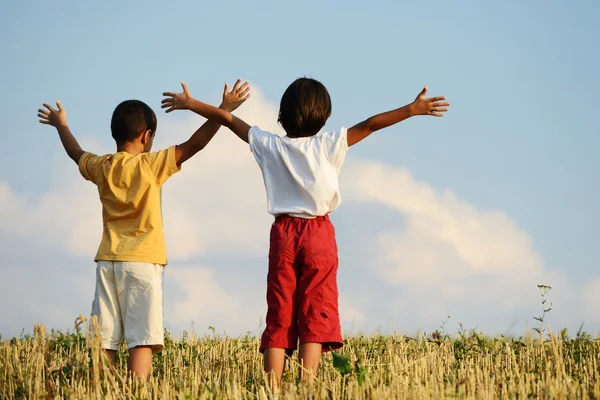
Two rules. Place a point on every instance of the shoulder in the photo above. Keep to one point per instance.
(335, 145)
(152, 156)
(90, 163)
(333, 135)
(259, 139)
(88, 158)
(256, 133)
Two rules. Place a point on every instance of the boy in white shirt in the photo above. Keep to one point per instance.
(300, 173)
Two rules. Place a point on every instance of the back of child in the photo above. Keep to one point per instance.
(129, 274)
(129, 186)
(300, 173)
(128, 300)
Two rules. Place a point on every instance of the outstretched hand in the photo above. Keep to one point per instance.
(435, 106)
(53, 117)
(177, 101)
(234, 98)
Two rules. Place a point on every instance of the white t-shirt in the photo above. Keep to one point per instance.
(300, 174)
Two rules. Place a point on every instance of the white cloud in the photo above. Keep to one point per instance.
(450, 258)
(485, 241)
(63, 218)
(193, 296)
(351, 314)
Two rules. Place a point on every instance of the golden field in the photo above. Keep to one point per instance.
(55, 365)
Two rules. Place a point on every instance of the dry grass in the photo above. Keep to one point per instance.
(59, 365)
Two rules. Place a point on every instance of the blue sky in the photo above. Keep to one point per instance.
(521, 136)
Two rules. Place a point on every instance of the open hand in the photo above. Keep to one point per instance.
(53, 117)
(177, 101)
(435, 106)
(239, 94)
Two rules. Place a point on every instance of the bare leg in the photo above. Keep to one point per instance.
(274, 362)
(140, 361)
(309, 355)
(110, 355)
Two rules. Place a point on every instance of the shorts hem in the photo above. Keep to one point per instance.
(328, 343)
(156, 345)
(272, 344)
(110, 346)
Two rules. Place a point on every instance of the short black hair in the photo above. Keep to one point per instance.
(305, 107)
(130, 119)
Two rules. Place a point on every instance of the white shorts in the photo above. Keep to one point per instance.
(129, 304)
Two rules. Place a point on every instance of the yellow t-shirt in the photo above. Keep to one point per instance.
(130, 191)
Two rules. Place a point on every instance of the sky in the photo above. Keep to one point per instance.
(459, 217)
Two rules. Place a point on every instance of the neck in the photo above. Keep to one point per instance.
(130, 147)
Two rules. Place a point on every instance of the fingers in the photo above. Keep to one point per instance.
(241, 92)
(49, 107)
(245, 92)
(168, 104)
(423, 92)
(169, 94)
(185, 88)
(236, 86)
(437, 111)
(225, 90)
(59, 105)
(44, 116)
(243, 87)
(438, 106)
(437, 98)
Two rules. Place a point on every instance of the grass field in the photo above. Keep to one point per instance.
(50, 365)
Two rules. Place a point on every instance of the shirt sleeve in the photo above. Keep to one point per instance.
(259, 141)
(88, 166)
(336, 147)
(162, 163)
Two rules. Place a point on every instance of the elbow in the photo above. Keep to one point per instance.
(196, 146)
(370, 125)
(367, 127)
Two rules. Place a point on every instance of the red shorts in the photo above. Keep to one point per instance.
(302, 294)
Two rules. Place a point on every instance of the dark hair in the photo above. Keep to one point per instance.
(130, 119)
(305, 107)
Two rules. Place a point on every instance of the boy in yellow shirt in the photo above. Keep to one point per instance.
(131, 256)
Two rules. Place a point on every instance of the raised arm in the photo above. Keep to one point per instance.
(58, 119)
(184, 101)
(231, 101)
(434, 106)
